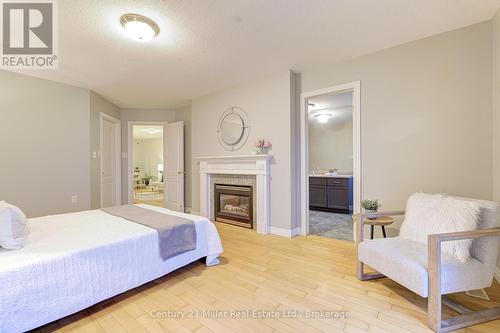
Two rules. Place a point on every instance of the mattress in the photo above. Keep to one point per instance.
(72, 261)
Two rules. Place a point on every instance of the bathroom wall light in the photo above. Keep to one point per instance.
(139, 27)
(323, 117)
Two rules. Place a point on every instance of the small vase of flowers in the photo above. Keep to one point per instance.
(370, 207)
(263, 146)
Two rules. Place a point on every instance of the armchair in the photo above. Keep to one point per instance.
(430, 273)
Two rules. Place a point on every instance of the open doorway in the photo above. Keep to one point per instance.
(330, 130)
(148, 165)
(156, 164)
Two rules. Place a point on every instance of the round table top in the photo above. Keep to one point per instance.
(380, 220)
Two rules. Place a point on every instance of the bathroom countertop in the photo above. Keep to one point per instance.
(330, 176)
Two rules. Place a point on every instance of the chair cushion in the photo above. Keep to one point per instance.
(437, 213)
(405, 262)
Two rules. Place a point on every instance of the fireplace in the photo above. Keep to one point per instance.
(241, 170)
(234, 204)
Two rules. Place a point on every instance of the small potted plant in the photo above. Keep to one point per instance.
(263, 146)
(146, 180)
(370, 207)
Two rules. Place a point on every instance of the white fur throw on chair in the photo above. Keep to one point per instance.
(437, 213)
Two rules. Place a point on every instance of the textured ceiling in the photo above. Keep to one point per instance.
(333, 101)
(338, 104)
(207, 45)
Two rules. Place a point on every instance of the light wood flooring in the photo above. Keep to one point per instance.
(260, 272)
(158, 203)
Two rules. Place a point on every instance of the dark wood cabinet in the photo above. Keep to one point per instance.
(330, 194)
(338, 198)
(318, 196)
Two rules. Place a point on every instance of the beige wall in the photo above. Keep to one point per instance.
(426, 115)
(268, 104)
(153, 115)
(97, 105)
(330, 144)
(44, 145)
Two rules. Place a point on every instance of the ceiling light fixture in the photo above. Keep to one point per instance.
(139, 27)
(323, 117)
(152, 131)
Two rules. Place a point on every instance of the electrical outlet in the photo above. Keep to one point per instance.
(74, 199)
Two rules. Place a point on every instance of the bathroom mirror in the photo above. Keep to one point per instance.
(233, 128)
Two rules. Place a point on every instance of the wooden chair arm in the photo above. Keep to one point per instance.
(473, 234)
(434, 268)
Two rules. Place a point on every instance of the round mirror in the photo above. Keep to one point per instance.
(231, 129)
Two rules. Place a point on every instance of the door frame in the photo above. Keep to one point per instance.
(130, 155)
(118, 164)
(355, 87)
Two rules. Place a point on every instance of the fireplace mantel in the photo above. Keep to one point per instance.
(258, 165)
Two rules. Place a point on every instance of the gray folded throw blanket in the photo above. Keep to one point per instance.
(176, 234)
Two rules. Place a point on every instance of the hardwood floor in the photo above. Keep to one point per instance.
(271, 273)
(158, 203)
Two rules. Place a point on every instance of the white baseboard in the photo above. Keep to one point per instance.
(284, 232)
(497, 274)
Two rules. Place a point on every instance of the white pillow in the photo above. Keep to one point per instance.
(13, 228)
(437, 213)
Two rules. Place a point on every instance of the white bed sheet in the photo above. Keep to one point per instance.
(72, 261)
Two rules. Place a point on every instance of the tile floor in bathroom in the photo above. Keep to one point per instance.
(332, 225)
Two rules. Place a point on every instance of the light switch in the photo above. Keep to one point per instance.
(74, 199)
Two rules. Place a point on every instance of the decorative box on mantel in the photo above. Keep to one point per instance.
(257, 165)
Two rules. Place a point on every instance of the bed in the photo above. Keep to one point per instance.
(72, 261)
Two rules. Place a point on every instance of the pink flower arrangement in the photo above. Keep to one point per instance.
(263, 144)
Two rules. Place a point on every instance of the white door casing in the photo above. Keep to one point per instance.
(355, 87)
(174, 166)
(110, 161)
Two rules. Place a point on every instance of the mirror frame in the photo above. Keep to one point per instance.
(245, 129)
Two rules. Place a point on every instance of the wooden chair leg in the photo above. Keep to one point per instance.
(434, 299)
(359, 238)
(434, 302)
(363, 276)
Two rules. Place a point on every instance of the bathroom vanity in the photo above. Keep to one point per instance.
(331, 193)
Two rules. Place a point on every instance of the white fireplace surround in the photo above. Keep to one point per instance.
(257, 165)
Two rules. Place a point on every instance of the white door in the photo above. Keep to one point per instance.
(108, 163)
(174, 166)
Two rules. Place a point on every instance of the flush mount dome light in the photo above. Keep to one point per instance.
(323, 117)
(152, 131)
(139, 27)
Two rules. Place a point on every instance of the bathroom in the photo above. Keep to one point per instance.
(330, 160)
